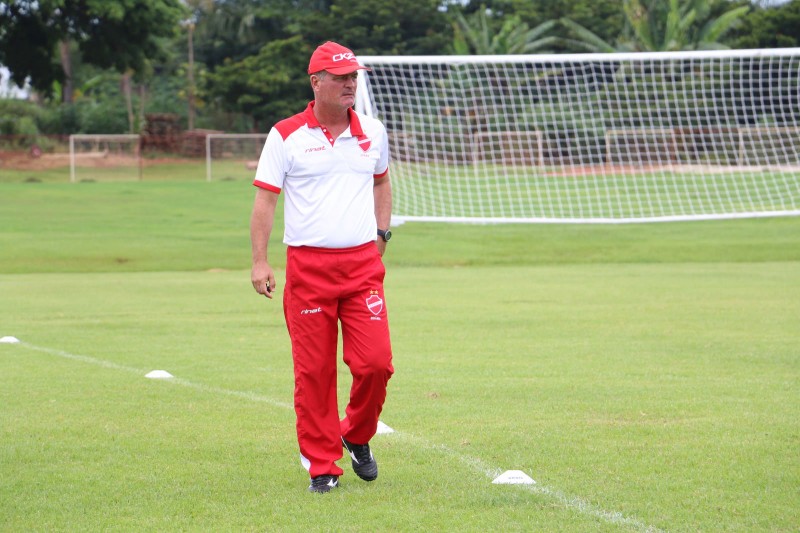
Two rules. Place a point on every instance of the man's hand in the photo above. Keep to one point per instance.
(381, 245)
(263, 279)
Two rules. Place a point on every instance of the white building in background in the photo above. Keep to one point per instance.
(9, 89)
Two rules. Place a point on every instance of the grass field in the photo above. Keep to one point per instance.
(646, 376)
(574, 191)
(495, 191)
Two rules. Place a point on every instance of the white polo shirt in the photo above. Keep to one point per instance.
(329, 200)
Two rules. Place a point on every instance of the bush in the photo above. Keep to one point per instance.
(104, 117)
(60, 120)
(84, 116)
(18, 117)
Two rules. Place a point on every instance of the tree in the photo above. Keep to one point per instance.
(269, 82)
(656, 25)
(234, 29)
(603, 17)
(268, 86)
(381, 27)
(771, 27)
(36, 36)
(476, 36)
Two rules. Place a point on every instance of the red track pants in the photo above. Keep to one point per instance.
(323, 287)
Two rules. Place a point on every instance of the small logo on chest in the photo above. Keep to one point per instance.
(315, 149)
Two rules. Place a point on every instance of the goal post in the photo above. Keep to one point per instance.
(581, 138)
(233, 156)
(105, 157)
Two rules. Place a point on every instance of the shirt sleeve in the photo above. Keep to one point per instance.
(382, 165)
(273, 163)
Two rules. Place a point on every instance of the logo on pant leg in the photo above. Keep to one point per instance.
(374, 303)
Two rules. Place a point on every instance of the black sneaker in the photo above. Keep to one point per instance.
(364, 464)
(323, 484)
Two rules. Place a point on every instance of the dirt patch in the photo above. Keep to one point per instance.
(25, 161)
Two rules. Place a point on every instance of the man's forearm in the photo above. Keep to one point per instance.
(383, 202)
(261, 223)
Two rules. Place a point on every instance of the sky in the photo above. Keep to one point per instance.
(8, 89)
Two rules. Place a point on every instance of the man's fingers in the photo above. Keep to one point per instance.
(263, 287)
(266, 291)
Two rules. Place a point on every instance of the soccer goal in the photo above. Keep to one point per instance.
(233, 156)
(105, 157)
(590, 137)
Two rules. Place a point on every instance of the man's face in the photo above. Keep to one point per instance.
(333, 90)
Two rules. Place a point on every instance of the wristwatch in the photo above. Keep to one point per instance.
(385, 234)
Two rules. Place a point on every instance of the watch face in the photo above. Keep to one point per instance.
(387, 235)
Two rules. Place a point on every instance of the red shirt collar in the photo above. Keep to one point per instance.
(355, 124)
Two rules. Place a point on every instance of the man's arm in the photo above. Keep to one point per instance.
(382, 190)
(261, 221)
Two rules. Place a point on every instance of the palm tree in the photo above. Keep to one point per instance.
(656, 25)
(476, 36)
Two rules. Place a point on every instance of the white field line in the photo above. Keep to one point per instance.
(251, 396)
(570, 502)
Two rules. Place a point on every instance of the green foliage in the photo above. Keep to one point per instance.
(268, 86)
(119, 34)
(99, 105)
(477, 36)
(603, 17)
(104, 116)
(233, 30)
(377, 27)
(250, 55)
(269, 82)
(22, 122)
(26, 126)
(582, 39)
(27, 45)
(13, 112)
(99, 108)
(61, 120)
(131, 33)
(772, 27)
(655, 25)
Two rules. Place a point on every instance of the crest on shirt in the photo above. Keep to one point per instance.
(364, 143)
(374, 303)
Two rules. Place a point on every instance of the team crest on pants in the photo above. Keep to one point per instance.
(374, 303)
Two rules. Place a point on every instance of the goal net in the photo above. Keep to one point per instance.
(105, 157)
(590, 137)
(233, 156)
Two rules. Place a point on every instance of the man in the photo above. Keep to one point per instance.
(333, 165)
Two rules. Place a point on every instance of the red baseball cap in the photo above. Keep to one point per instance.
(334, 58)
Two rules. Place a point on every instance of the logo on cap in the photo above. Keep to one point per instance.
(347, 56)
(334, 58)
